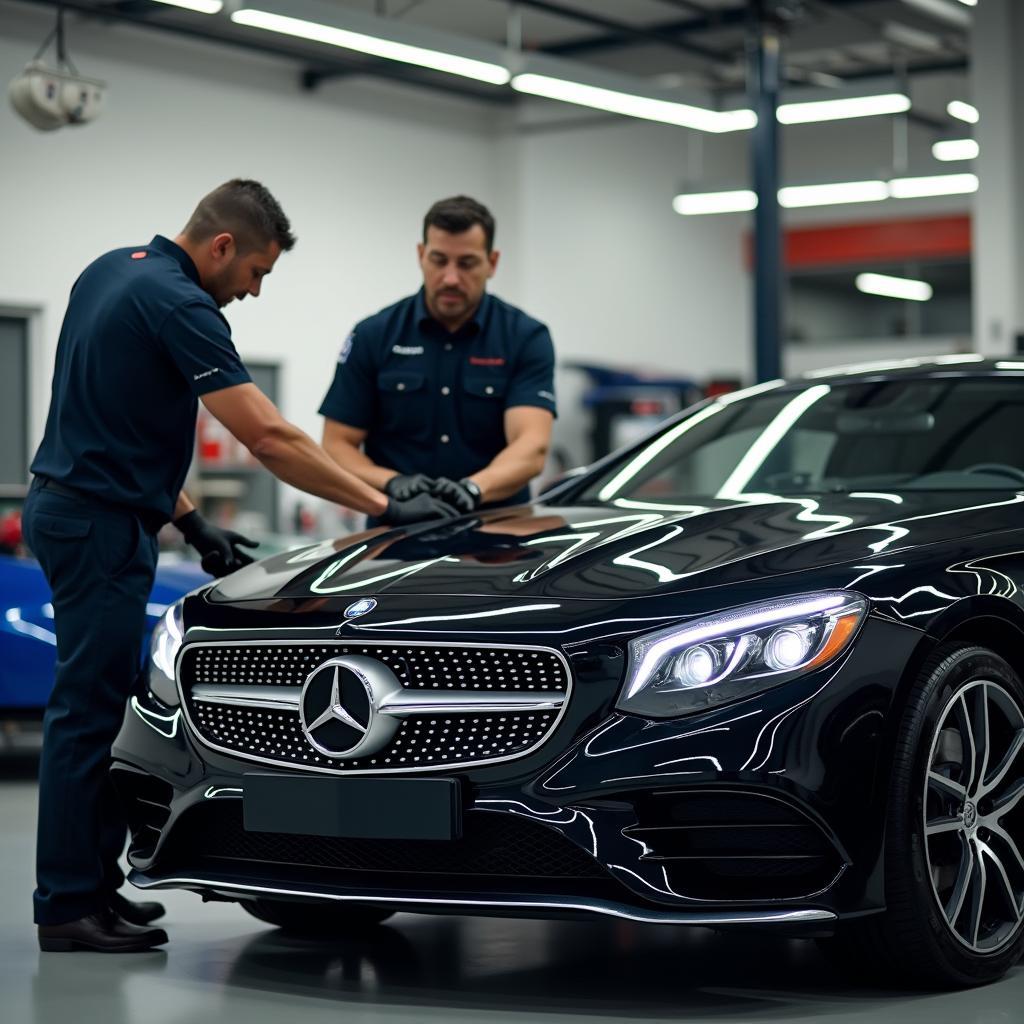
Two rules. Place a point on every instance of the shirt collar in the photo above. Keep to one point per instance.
(175, 251)
(469, 329)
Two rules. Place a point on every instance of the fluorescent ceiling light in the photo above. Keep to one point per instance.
(894, 287)
(833, 193)
(955, 149)
(631, 105)
(376, 46)
(836, 110)
(962, 111)
(933, 185)
(944, 10)
(199, 6)
(969, 3)
(714, 202)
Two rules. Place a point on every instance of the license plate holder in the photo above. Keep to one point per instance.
(352, 808)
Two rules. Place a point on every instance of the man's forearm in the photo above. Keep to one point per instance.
(358, 463)
(183, 506)
(294, 457)
(511, 469)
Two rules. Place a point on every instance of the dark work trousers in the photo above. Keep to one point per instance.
(100, 563)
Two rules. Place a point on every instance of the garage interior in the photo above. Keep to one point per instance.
(726, 249)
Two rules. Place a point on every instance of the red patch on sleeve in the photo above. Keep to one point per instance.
(486, 361)
(139, 255)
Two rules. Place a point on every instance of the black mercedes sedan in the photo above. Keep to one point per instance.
(761, 669)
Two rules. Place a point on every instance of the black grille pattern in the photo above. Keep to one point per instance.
(428, 667)
(492, 845)
(423, 741)
(725, 845)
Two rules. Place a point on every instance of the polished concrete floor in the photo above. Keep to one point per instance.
(223, 965)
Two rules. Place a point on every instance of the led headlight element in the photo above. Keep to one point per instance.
(738, 653)
(163, 650)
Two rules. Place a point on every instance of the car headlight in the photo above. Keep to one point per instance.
(163, 650)
(709, 661)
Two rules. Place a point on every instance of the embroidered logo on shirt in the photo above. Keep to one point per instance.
(139, 255)
(206, 373)
(407, 350)
(346, 347)
(546, 394)
(486, 361)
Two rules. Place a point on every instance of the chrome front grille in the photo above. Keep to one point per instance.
(458, 705)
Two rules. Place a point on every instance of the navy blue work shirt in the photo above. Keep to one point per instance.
(141, 341)
(433, 401)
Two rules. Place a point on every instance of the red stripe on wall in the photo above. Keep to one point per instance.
(884, 241)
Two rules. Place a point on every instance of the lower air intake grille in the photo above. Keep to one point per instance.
(492, 845)
(734, 846)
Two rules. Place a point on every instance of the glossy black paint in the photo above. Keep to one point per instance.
(584, 580)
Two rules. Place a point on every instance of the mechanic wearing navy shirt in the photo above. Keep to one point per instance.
(449, 392)
(143, 341)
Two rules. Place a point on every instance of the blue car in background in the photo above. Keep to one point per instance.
(27, 641)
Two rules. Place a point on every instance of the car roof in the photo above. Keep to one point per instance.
(923, 366)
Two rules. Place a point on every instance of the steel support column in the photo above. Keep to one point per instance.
(763, 77)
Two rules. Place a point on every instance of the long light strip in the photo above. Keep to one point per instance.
(955, 149)
(963, 111)
(389, 49)
(834, 193)
(830, 194)
(836, 110)
(715, 202)
(894, 287)
(644, 107)
(199, 6)
(933, 185)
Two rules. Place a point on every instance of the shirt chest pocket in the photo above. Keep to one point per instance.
(482, 412)
(402, 396)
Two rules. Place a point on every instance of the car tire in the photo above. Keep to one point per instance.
(315, 919)
(954, 839)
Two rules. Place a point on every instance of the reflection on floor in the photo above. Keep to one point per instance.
(221, 964)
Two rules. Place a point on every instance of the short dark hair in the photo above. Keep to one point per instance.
(458, 214)
(247, 210)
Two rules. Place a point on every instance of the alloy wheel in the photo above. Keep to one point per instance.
(974, 816)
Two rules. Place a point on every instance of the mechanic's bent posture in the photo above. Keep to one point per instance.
(448, 392)
(143, 341)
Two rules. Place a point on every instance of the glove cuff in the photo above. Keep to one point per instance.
(190, 524)
(473, 488)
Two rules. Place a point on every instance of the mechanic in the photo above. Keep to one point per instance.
(450, 391)
(143, 340)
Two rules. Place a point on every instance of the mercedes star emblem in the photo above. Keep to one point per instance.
(342, 707)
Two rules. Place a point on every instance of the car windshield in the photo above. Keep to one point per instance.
(924, 434)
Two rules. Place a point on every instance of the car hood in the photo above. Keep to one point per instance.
(597, 552)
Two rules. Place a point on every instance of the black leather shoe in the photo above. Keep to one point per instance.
(104, 932)
(135, 913)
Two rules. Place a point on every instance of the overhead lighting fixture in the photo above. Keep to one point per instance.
(955, 149)
(962, 111)
(833, 193)
(631, 105)
(943, 10)
(840, 109)
(933, 185)
(894, 287)
(969, 3)
(697, 203)
(376, 46)
(199, 6)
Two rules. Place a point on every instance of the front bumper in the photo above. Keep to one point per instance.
(768, 811)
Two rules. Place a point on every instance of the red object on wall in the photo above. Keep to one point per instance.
(874, 242)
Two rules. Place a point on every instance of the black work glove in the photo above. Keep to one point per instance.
(220, 549)
(416, 509)
(408, 485)
(463, 494)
